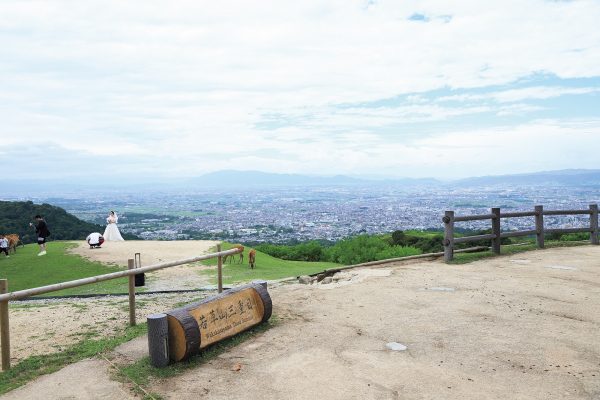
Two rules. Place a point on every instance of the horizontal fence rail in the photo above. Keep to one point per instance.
(20, 294)
(495, 216)
(474, 238)
(567, 212)
(6, 296)
(474, 217)
(518, 214)
(517, 234)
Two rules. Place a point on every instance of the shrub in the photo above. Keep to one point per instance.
(574, 237)
(365, 248)
(308, 251)
(426, 243)
(354, 250)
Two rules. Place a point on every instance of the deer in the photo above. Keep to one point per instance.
(252, 258)
(232, 256)
(13, 241)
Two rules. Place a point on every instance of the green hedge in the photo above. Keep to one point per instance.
(354, 250)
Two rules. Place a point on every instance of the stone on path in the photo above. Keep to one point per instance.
(305, 280)
(327, 280)
(442, 289)
(520, 261)
(561, 267)
(395, 346)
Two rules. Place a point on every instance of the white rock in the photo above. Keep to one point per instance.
(442, 289)
(326, 280)
(561, 267)
(394, 346)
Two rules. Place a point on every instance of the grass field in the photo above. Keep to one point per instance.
(267, 268)
(26, 270)
(424, 234)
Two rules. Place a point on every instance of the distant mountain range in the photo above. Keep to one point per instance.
(257, 178)
(566, 177)
(253, 178)
(247, 179)
(570, 177)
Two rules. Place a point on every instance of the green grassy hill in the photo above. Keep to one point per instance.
(267, 268)
(15, 217)
(26, 270)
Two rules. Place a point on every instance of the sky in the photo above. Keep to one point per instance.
(114, 90)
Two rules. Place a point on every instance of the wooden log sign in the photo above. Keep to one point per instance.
(197, 325)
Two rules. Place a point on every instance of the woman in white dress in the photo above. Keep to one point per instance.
(111, 233)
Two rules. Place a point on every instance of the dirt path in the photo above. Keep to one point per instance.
(520, 327)
(153, 252)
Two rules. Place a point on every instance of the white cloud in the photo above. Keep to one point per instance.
(498, 150)
(186, 86)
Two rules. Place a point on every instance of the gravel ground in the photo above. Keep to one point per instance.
(46, 326)
(153, 252)
(57, 323)
(519, 327)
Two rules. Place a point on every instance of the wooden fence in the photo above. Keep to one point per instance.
(496, 215)
(6, 296)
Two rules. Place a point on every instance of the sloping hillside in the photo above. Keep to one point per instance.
(15, 217)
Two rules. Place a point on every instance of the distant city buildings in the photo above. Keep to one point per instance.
(299, 214)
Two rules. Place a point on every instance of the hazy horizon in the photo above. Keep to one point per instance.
(112, 91)
(243, 180)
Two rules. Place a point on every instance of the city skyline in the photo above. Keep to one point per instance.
(280, 215)
(122, 91)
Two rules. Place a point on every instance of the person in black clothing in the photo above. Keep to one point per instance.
(41, 229)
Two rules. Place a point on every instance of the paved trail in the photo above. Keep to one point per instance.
(520, 327)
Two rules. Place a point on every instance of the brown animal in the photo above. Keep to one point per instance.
(252, 258)
(13, 241)
(232, 256)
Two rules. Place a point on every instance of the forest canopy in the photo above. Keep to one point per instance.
(15, 217)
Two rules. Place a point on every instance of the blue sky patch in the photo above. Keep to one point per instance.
(418, 17)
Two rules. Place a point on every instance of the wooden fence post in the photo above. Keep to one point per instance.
(594, 223)
(219, 270)
(496, 230)
(4, 327)
(130, 266)
(448, 235)
(539, 226)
